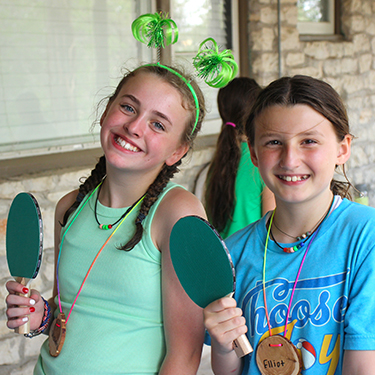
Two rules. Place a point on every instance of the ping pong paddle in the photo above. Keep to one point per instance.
(203, 265)
(24, 243)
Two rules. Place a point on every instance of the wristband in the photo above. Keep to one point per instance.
(45, 321)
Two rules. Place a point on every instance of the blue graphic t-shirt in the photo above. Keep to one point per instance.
(333, 308)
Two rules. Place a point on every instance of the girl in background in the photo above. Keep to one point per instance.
(304, 272)
(127, 314)
(235, 194)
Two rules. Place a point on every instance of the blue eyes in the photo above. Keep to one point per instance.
(158, 125)
(155, 124)
(127, 108)
(309, 141)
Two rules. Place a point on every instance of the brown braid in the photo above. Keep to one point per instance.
(167, 172)
(152, 195)
(90, 183)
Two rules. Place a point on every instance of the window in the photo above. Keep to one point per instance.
(316, 17)
(198, 20)
(58, 59)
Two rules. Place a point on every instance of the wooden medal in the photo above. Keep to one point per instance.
(57, 335)
(277, 355)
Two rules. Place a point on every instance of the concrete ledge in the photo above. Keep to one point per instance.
(38, 164)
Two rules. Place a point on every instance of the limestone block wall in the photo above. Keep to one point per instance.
(347, 63)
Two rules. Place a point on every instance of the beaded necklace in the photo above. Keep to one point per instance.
(291, 249)
(305, 236)
(110, 226)
(298, 238)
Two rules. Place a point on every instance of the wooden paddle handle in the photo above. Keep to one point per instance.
(242, 346)
(25, 328)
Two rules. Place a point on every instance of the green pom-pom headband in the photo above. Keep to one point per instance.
(216, 68)
(152, 29)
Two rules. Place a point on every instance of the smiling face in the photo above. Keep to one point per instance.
(142, 128)
(296, 150)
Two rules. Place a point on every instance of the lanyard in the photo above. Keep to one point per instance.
(295, 282)
(100, 250)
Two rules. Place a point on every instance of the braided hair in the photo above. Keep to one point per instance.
(167, 172)
(97, 175)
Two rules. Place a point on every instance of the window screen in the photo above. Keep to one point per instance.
(58, 59)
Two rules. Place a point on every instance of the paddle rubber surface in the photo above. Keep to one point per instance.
(201, 260)
(24, 237)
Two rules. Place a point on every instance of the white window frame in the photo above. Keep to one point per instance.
(320, 28)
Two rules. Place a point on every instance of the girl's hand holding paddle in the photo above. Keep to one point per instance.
(224, 322)
(32, 307)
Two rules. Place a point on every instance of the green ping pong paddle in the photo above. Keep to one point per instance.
(203, 265)
(24, 242)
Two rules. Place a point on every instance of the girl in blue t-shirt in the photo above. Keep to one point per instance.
(304, 271)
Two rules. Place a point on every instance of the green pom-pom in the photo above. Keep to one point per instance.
(153, 29)
(216, 68)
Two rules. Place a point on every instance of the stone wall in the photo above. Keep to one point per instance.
(347, 63)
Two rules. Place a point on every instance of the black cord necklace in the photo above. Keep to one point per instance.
(298, 238)
(110, 226)
(295, 248)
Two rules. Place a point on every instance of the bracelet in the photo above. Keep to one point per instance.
(45, 321)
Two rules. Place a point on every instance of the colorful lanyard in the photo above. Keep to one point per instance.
(93, 262)
(295, 282)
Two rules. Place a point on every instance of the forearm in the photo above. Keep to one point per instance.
(181, 364)
(225, 364)
(358, 362)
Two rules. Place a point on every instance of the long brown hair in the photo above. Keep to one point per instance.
(234, 102)
(317, 94)
(167, 172)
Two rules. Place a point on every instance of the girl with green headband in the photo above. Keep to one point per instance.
(118, 303)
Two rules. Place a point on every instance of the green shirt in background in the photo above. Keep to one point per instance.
(248, 194)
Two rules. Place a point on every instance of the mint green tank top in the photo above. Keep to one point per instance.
(116, 326)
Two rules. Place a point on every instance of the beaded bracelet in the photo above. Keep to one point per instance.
(45, 322)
